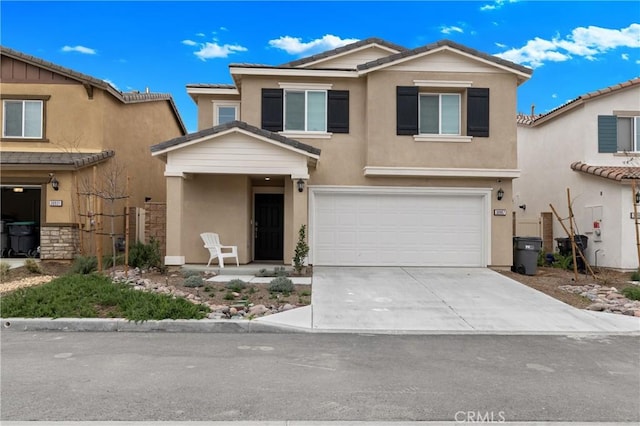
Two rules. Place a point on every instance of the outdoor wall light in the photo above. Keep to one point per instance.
(638, 197)
(523, 206)
(500, 194)
(300, 184)
(54, 182)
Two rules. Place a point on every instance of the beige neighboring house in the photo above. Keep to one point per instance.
(590, 145)
(390, 156)
(56, 125)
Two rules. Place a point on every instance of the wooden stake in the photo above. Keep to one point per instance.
(126, 231)
(572, 237)
(80, 224)
(635, 216)
(99, 233)
(586, 264)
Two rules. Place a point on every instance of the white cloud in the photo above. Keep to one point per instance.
(214, 50)
(79, 49)
(200, 34)
(583, 42)
(295, 46)
(451, 29)
(500, 45)
(189, 42)
(554, 96)
(497, 4)
(111, 83)
(625, 56)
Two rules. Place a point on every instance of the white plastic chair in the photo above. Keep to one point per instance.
(212, 243)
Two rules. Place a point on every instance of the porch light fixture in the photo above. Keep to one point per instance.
(638, 197)
(300, 184)
(500, 194)
(54, 182)
(18, 189)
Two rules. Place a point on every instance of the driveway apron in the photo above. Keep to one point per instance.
(445, 300)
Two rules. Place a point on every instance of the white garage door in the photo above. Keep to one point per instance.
(398, 228)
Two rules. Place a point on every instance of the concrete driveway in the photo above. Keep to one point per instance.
(439, 300)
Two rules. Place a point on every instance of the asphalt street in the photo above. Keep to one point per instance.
(76, 376)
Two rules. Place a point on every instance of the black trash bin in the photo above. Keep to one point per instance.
(525, 254)
(564, 248)
(24, 239)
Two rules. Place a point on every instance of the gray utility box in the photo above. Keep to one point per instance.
(525, 254)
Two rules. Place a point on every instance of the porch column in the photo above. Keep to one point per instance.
(175, 197)
(299, 215)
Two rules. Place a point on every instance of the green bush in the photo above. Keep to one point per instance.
(236, 285)
(107, 261)
(278, 271)
(32, 266)
(229, 296)
(194, 281)
(281, 285)
(4, 270)
(84, 265)
(145, 256)
(302, 249)
(635, 276)
(189, 273)
(632, 293)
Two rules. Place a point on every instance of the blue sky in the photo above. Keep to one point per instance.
(573, 47)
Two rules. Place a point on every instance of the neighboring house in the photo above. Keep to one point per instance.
(590, 145)
(57, 124)
(390, 156)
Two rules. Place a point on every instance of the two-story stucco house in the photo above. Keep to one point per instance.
(590, 145)
(390, 156)
(57, 124)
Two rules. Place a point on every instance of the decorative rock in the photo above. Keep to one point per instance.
(233, 311)
(258, 310)
(236, 294)
(288, 307)
(596, 307)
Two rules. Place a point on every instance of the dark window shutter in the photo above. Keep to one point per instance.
(338, 111)
(407, 110)
(607, 133)
(478, 112)
(272, 108)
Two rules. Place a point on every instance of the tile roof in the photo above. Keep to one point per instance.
(587, 97)
(616, 173)
(210, 86)
(73, 159)
(124, 97)
(443, 43)
(343, 49)
(239, 125)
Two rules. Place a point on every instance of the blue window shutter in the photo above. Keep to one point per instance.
(607, 133)
(407, 110)
(478, 112)
(272, 108)
(338, 111)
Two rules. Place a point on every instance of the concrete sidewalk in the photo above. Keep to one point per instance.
(439, 301)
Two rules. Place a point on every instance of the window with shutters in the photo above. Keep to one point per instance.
(440, 115)
(305, 110)
(628, 134)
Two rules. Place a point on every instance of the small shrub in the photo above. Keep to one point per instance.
(194, 281)
(32, 266)
(635, 276)
(252, 290)
(236, 285)
(305, 293)
(189, 273)
(632, 293)
(262, 273)
(107, 261)
(145, 255)
(302, 249)
(207, 289)
(229, 296)
(280, 271)
(4, 270)
(281, 285)
(84, 265)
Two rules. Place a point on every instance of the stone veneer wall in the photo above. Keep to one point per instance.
(59, 241)
(156, 224)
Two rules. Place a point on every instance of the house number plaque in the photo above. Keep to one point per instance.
(499, 212)
(55, 203)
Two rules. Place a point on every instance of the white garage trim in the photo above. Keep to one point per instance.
(482, 195)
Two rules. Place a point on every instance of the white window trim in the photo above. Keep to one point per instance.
(442, 138)
(4, 119)
(442, 83)
(305, 86)
(441, 135)
(217, 105)
(635, 122)
(305, 132)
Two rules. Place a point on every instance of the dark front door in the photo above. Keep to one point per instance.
(269, 226)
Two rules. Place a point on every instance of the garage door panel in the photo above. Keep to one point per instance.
(412, 229)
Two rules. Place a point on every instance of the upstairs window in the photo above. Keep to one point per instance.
(305, 110)
(313, 111)
(439, 114)
(225, 112)
(22, 119)
(618, 134)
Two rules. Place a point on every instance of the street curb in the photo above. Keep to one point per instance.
(124, 325)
